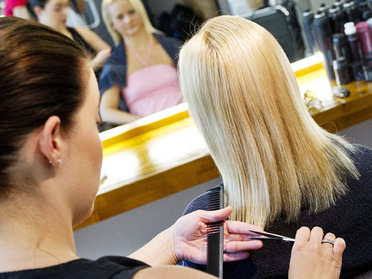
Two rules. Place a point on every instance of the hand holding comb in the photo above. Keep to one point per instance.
(215, 234)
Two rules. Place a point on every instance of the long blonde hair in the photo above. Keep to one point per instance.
(245, 100)
(138, 7)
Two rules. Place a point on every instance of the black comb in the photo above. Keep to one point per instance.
(215, 234)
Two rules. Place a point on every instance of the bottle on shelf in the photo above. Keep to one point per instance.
(365, 11)
(307, 22)
(323, 37)
(341, 47)
(337, 19)
(351, 11)
(342, 71)
(355, 50)
(365, 37)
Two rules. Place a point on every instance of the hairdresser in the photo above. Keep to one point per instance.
(50, 160)
(53, 13)
(280, 170)
(140, 77)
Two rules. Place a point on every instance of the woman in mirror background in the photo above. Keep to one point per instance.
(54, 13)
(140, 76)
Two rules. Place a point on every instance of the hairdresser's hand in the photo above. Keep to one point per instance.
(312, 259)
(190, 236)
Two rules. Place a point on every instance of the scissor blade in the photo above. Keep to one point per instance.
(284, 239)
(273, 236)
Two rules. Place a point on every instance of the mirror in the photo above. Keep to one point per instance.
(283, 18)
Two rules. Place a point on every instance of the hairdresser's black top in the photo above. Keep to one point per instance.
(86, 46)
(350, 218)
(103, 268)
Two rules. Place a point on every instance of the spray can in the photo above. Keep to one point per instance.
(323, 8)
(323, 36)
(307, 22)
(336, 19)
(342, 71)
(352, 12)
(341, 47)
(339, 3)
(365, 11)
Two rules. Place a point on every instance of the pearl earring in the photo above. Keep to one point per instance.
(59, 161)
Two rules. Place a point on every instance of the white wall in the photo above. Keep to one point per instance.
(159, 6)
(123, 234)
(361, 133)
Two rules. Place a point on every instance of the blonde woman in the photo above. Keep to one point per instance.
(140, 76)
(280, 170)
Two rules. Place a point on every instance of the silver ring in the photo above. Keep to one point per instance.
(327, 240)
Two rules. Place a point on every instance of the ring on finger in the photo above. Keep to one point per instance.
(327, 240)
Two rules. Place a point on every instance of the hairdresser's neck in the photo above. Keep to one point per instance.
(62, 28)
(33, 235)
(139, 40)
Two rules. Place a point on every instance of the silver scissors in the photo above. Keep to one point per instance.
(271, 236)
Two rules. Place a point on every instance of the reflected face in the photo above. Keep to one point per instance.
(125, 19)
(85, 153)
(54, 14)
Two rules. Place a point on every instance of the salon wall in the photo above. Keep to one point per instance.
(123, 234)
(360, 134)
(159, 6)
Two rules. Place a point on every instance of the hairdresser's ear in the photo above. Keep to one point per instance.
(38, 10)
(50, 140)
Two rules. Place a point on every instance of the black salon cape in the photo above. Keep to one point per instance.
(103, 268)
(350, 218)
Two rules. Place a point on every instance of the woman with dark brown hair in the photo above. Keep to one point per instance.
(54, 13)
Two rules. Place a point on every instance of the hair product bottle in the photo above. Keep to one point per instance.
(351, 11)
(336, 19)
(365, 10)
(342, 71)
(341, 47)
(307, 22)
(365, 36)
(355, 49)
(323, 36)
(323, 8)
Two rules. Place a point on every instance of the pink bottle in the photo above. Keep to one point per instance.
(365, 36)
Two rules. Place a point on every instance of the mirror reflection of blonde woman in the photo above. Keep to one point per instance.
(280, 170)
(140, 76)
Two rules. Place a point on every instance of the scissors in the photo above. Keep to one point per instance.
(271, 236)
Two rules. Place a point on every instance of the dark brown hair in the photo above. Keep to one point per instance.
(40, 76)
